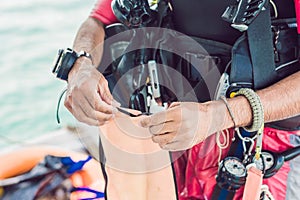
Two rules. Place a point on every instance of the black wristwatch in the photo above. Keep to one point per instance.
(65, 60)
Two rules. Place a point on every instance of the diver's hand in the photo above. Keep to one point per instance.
(183, 125)
(88, 97)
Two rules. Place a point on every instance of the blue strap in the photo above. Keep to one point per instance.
(74, 166)
(97, 193)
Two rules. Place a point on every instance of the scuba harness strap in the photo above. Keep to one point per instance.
(253, 63)
(261, 50)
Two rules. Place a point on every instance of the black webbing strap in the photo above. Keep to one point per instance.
(174, 175)
(162, 12)
(261, 50)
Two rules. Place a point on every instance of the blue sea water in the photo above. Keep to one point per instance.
(31, 31)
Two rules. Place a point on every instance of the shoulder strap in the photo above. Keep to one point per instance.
(162, 11)
(253, 57)
(261, 50)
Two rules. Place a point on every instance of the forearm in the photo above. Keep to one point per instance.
(88, 96)
(89, 38)
(280, 101)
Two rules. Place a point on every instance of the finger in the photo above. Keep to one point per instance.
(174, 104)
(158, 118)
(178, 145)
(81, 116)
(104, 91)
(103, 107)
(171, 146)
(68, 104)
(92, 113)
(145, 122)
(97, 104)
(106, 94)
(68, 101)
(163, 128)
(81, 105)
(163, 139)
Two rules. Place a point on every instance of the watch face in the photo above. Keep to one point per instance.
(268, 161)
(57, 61)
(235, 167)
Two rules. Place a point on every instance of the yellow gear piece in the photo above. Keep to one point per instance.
(1, 191)
(232, 94)
(154, 2)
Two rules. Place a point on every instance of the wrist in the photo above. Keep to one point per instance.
(65, 61)
(241, 110)
(218, 117)
(81, 63)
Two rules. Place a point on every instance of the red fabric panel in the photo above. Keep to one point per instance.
(196, 170)
(103, 12)
(297, 8)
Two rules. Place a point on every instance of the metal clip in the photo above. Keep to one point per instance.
(247, 152)
(245, 140)
(242, 14)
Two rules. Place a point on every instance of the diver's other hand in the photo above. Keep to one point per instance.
(185, 124)
(88, 97)
(181, 126)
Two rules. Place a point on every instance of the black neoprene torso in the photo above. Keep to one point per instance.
(202, 18)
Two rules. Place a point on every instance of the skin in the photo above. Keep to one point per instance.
(281, 100)
(88, 97)
(183, 124)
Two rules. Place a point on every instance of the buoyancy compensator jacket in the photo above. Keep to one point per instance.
(202, 19)
(223, 49)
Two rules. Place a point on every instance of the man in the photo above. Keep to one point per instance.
(90, 101)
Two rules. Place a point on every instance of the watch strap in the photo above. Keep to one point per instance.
(65, 62)
(85, 54)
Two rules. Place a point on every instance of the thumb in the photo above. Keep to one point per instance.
(174, 104)
(145, 122)
(106, 95)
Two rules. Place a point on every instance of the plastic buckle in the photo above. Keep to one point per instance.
(242, 14)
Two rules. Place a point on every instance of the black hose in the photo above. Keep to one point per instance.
(291, 153)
